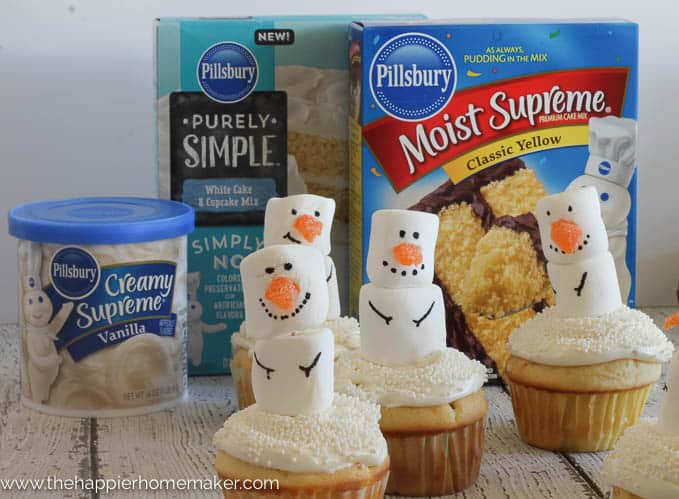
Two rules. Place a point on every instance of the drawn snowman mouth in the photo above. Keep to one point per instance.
(289, 237)
(300, 306)
(580, 247)
(402, 272)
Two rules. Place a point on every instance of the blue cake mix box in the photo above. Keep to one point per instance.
(247, 109)
(476, 121)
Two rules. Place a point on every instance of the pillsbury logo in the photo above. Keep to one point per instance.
(75, 273)
(412, 76)
(227, 72)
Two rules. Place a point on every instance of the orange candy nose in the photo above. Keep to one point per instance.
(282, 292)
(671, 322)
(566, 234)
(310, 227)
(408, 254)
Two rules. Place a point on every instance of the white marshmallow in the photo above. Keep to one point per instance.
(401, 326)
(284, 290)
(402, 245)
(333, 290)
(585, 288)
(669, 409)
(304, 219)
(294, 373)
(612, 149)
(573, 218)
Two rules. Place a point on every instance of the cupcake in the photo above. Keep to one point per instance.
(298, 435)
(580, 372)
(432, 403)
(645, 461)
(305, 220)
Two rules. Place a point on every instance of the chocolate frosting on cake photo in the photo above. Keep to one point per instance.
(489, 262)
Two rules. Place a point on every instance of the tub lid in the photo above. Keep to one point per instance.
(101, 220)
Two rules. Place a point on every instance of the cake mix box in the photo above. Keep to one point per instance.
(476, 122)
(248, 109)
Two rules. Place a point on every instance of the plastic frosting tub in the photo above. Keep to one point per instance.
(102, 304)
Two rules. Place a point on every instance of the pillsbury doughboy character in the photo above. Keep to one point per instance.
(401, 311)
(305, 219)
(610, 167)
(41, 328)
(196, 325)
(574, 241)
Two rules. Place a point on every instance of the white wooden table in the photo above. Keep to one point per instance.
(178, 443)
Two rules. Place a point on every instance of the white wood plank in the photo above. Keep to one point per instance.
(33, 445)
(590, 463)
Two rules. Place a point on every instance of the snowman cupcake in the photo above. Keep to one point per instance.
(431, 397)
(304, 220)
(645, 461)
(580, 372)
(309, 441)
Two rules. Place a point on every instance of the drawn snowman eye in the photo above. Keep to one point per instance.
(549, 213)
(402, 233)
(287, 266)
(416, 235)
(30, 301)
(268, 370)
(317, 213)
(269, 270)
(570, 208)
(294, 211)
(40, 299)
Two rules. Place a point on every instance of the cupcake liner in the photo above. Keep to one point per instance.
(435, 464)
(372, 490)
(618, 493)
(242, 380)
(575, 421)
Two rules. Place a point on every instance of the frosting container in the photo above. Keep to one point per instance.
(102, 304)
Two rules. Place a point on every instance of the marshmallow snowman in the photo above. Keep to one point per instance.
(196, 326)
(610, 167)
(305, 219)
(293, 374)
(402, 246)
(669, 409)
(41, 328)
(402, 313)
(574, 241)
(284, 290)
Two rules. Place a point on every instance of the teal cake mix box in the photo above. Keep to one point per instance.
(475, 122)
(247, 109)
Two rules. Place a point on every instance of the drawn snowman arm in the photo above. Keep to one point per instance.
(387, 319)
(212, 328)
(60, 319)
(327, 279)
(581, 286)
(426, 314)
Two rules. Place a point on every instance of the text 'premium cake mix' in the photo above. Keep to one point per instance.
(476, 122)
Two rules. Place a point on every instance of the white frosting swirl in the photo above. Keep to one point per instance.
(317, 99)
(579, 341)
(645, 462)
(443, 378)
(346, 434)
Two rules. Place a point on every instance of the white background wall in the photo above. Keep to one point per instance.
(76, 104)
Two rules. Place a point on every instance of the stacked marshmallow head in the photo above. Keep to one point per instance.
(284, 290)
(668, 421)
(401, 311)
(293, 374)
(574, 241)
(612, 149)
(305, 219)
